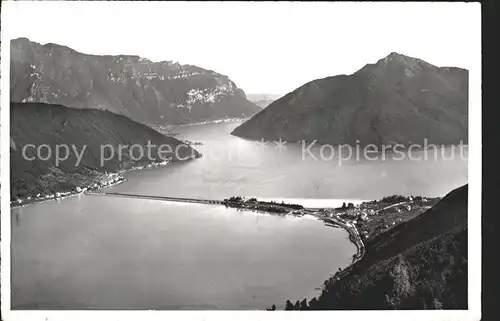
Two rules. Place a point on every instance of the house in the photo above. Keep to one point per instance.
(363, 216)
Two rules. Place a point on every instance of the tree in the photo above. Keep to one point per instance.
(297, 305)
(272, 308)
(313, 304)
(288, 305)
(303, 305)
(344, 206)
(350, 205)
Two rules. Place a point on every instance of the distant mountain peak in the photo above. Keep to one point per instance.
(395, 58)
(395, 55)
(399, 57)
(397, 99)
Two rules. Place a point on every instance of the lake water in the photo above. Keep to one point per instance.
(116, 253)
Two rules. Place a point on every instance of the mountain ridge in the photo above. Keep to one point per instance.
(86, 131)
(164, 92)
(262, 100)
(395, 100)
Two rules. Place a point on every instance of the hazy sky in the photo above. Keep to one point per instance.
(264, 47)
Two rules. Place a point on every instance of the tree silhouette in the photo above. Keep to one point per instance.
(313, 304)
(272, 308)
(303, 305)
(288, 305)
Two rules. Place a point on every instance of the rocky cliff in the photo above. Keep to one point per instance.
(149, 92)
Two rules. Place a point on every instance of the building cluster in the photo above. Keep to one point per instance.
(356, 214)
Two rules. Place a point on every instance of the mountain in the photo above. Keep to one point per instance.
(419, 264)
(149, 92)
(262, 100)
(396, 100)
(86, 132)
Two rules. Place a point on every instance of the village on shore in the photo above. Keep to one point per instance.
(76, 183)
(368, 218)
(374, 217)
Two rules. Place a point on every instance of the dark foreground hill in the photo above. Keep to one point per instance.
(396, 100)
(90, 133)
(149, 92)
(420, 264)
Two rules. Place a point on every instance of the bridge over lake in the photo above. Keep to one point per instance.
(184, 199)
(160, 198)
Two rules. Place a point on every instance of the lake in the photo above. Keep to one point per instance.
(116, 253)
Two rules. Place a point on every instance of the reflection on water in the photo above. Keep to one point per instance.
(16, 214)
(233, 166)
(110, 252)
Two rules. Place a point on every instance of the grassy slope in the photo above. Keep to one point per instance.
(38, 123)
(420, 264)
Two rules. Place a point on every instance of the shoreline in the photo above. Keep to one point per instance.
(354, 237)
(100, 184)
(28, 201)
(370, 218)
(217, 121)
(168, 128)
